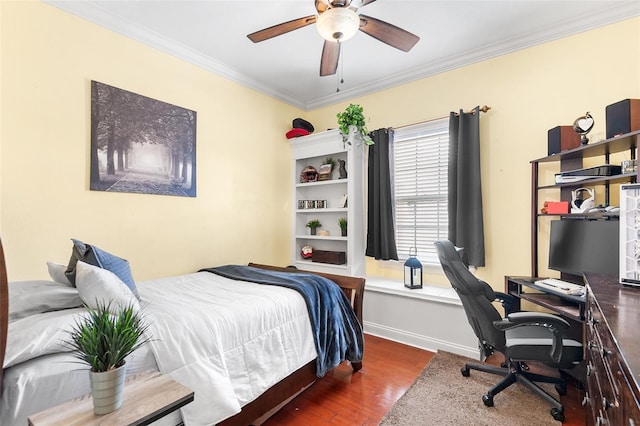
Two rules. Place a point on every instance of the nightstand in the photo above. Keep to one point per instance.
(148, 397)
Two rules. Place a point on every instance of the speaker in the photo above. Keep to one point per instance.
(623, 117)
(562, 138)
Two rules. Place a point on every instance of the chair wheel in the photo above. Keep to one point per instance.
(561, 388)
(465, 371)
(557, 414)
(488, 400)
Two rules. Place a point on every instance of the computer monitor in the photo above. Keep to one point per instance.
(578, 245)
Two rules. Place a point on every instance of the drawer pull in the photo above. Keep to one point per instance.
(585, 400)
(589, 368)
(606, 352)
(592, 346)
(606, 404)
(601, 421)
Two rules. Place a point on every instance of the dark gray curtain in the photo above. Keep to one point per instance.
(381, 236)
(466, 227)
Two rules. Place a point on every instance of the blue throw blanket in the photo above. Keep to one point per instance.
(336, 330)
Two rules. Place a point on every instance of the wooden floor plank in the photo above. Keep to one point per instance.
(363, 398)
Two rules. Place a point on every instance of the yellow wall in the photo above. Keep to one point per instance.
(240, 213)
(530, 92)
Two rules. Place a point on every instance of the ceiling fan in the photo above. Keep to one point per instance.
(337, 21)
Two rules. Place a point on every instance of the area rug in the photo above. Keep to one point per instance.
(442, 396)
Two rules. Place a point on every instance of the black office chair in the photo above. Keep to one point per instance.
(521, 336)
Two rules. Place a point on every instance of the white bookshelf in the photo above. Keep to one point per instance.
(312, 150)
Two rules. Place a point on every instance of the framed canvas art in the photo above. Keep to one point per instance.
(141, 145)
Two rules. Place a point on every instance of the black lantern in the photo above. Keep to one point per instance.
(412, 272)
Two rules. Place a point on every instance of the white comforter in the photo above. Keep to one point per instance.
(228, 341)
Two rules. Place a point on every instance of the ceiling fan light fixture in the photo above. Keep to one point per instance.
(338, 24)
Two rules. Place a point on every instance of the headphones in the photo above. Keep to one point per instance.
(580, 205)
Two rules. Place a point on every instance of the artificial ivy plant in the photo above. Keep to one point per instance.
(353, 116)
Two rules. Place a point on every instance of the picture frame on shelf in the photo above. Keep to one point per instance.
(324, 172)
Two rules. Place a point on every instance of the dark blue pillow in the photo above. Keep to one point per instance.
(95, 256)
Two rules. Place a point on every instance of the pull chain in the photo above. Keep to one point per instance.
(340, 73)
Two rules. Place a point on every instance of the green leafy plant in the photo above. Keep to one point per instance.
(342, 222)
(104, 340)
(353, 116)
(329, 160)
(313, 224)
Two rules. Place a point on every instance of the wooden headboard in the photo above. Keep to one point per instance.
(4, 310)
(352, 287)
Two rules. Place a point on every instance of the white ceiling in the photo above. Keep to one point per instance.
(212, 34)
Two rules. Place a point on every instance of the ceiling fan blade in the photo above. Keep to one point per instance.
(365, 2)
(388, 33)
(330, 56)
(280, 29)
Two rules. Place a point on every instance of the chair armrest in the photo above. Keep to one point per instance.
(507, 301)
(555, 320)
(554, 323)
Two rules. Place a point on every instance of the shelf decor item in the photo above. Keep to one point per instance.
(342, 170)
(351, 121)
(343, 225)
(329, 256)
(413, 271)
(583, 126)
(324, 173)
(309, 174)
(306, 252)
(314, 225)
(103, 340)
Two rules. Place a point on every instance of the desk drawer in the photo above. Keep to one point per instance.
(604, 374)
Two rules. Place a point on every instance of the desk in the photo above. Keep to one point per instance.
(571, 308)
(566, 305)
(147, 398)
(612, 346)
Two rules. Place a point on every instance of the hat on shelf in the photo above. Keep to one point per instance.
(300, 128)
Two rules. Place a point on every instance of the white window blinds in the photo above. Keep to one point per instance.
(421, 154)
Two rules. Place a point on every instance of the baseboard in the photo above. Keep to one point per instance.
(419, 341)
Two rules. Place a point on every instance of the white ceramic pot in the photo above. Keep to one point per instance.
(107, 389)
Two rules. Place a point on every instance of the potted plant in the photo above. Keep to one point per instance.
(103, 340)
(313, 225)
(329, 160)
(353, 117)
(343, 225)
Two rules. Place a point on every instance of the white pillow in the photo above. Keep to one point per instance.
(34, 297)
(99, 286)
(56, 272)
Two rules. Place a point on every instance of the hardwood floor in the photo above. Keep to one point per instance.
(363, 398)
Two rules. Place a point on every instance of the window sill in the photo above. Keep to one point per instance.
(427, 292)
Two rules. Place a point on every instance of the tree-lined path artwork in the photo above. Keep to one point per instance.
(141, 145)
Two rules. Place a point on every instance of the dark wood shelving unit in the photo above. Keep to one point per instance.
(572, 160)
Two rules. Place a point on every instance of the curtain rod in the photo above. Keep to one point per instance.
(483, 108)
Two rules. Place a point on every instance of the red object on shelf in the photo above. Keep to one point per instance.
(556, 207)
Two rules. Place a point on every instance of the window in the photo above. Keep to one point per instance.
(421, 155)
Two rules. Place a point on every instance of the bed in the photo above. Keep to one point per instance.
(243, 347)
